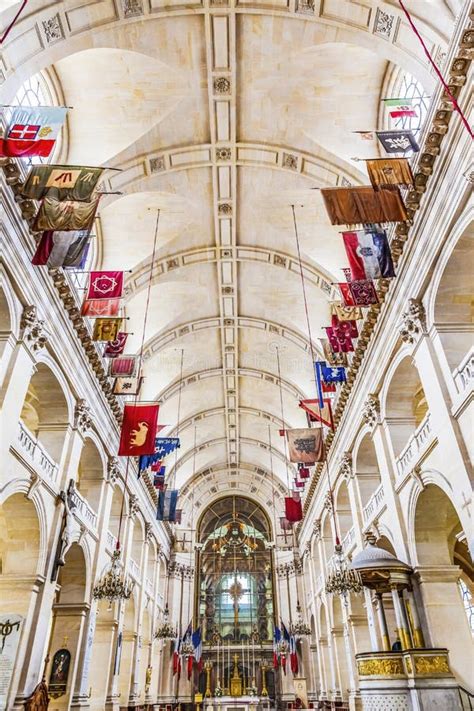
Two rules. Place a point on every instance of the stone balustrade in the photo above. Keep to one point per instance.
(463, 375)
(415, 447)
(348, 542)
(29, 445)
(374, 504)
(83, 511)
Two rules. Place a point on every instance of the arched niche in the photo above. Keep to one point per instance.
(138, 538)
(367, 469)
(453, 308)
(90, 474)
(405, 404)
(19, 552)
(327, 536)
(72, 577)
(6, 322)
(45, 411)
(118, 512)
(343, 510)
(443, 561)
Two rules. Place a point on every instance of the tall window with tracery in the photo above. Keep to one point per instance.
(410, 88)
(467, 602)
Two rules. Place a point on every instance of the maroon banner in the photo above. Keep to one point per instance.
(117, 347)
(293, 508)
(138, 429)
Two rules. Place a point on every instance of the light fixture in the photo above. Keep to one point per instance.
(343, 580)
(114, 585)
(165, 630)
(300, 628)
(187, 647)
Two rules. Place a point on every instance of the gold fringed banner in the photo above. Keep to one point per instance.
(385, 172)
(363, 204)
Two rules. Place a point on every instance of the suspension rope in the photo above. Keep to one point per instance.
(452, 98)
(308, 324)
(179, 415)
(283, 416)
(140, 360)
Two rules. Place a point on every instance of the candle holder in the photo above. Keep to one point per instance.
(208, 669)
(264, 680)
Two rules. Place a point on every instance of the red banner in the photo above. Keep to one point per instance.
(138, 430)
(293, 509)
(105, 285)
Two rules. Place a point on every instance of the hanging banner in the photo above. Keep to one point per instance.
(167, 500)
(369, 254)
(106, 329)
(384, 172)
(138, 429)
(127, 386)
(359, 293)
(105, 285)
(32, 131)
(362, 204)
(93, 308)
(61, 182)
(66, 215)
(123, 366)
(398, 141)
(62, 249)
(331, 357)
(346, 313)
(305, 445)
(293, 508)
(116, 348)
(318, 414)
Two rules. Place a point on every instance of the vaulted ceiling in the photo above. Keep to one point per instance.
(221, 116)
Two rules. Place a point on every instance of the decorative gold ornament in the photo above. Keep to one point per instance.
(431, 665)
(380, 667)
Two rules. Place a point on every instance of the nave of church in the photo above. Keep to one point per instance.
(236, 355)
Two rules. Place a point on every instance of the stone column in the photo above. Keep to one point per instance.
(417, 632)
(382, 623)
(12, 396)
(400, 618)
(69, 621)
(80, 699)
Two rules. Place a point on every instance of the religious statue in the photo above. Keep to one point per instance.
(70, 526)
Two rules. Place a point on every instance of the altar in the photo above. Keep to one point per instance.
(241, 703)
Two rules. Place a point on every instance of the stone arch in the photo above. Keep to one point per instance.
(453, 312)
(138, 538)
(405, 405)
(118, 510)
(366, 469)
(46, 411)
(442, 558)
(91, 473)
(343, 509)
(20, 539)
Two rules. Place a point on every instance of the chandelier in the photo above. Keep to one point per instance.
(343, 580)
(300, 628)
(165, 630)
(114, 585)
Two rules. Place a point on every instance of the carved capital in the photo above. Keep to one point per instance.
(82, 416)
(345, 465)
(148, 532)
(113, 469)
(413, 323)
(371, 411)
(134, 505)
(34, 332)
(317, 529)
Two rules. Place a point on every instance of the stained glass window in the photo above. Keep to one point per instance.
(468, 603)
(35, 92)
(411, 88)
